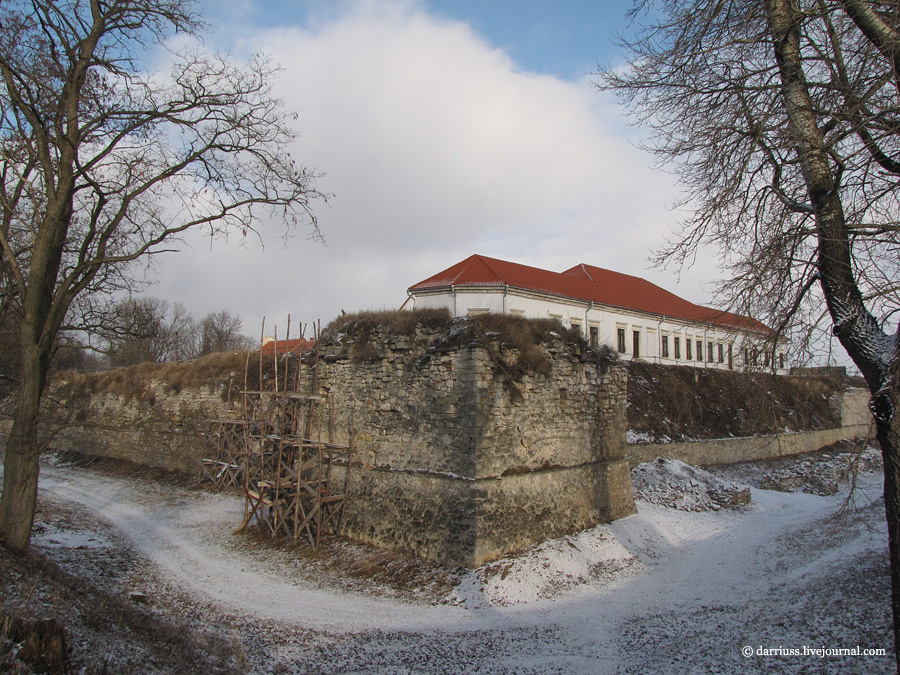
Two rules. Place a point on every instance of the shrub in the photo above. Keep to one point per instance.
(680, 403)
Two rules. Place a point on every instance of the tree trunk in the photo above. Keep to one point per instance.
(20, 468)
(858, 331)
(41, 317)
(888, 432)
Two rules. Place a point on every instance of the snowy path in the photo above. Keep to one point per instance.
(694, 589)
(184, 539)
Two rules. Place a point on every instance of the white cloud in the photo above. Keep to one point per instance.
(435, 146)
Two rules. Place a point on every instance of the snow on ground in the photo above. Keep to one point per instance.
(819, 473)
(664, 591)
(594, 557)
(672, 483)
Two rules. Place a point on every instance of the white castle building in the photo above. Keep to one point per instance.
(632, 316)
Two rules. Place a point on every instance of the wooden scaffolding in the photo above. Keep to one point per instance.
(293, 480)
(225, 468)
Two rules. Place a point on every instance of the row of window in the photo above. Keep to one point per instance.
(715, 351)
(752, 356)
(693, 350)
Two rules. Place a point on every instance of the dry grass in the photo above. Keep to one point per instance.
(210, 371)
(359, 329)
(357, 566)
(359, 334)
(393, 321)
(683, 403)
(523, 335)
(515, 344)
(217, 372)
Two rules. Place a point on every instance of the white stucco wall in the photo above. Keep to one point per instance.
(651, 329)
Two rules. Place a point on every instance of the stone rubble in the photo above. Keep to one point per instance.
(672, 483)
(816, 473)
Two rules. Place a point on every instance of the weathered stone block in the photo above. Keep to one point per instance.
(453, 462)
(482, 473)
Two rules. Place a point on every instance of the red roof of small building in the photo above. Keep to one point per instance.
(586, 283)
(296, 346)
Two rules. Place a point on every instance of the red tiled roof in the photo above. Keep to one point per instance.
(586, 283)
(296, 346)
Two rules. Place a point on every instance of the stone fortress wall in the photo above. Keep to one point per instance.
(459, 466)
(453, 461)
(458, 459)
(856, 422)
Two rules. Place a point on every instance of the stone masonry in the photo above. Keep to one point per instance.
(454, 465)
(453, 462)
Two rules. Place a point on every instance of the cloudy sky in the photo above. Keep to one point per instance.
(442, 128)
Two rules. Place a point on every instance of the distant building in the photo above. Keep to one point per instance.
(293, 346)
(632, 316)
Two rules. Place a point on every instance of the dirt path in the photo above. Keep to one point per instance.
(662, 591)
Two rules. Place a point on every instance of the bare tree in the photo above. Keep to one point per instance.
(103, 163)
(73, 354)
(145, 330)
(782, 118)
(142, 330)
(221, 331)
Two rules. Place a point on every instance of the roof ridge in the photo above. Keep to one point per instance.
(465, 266)
(484, 262)
(618, 273)
(582, 269)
